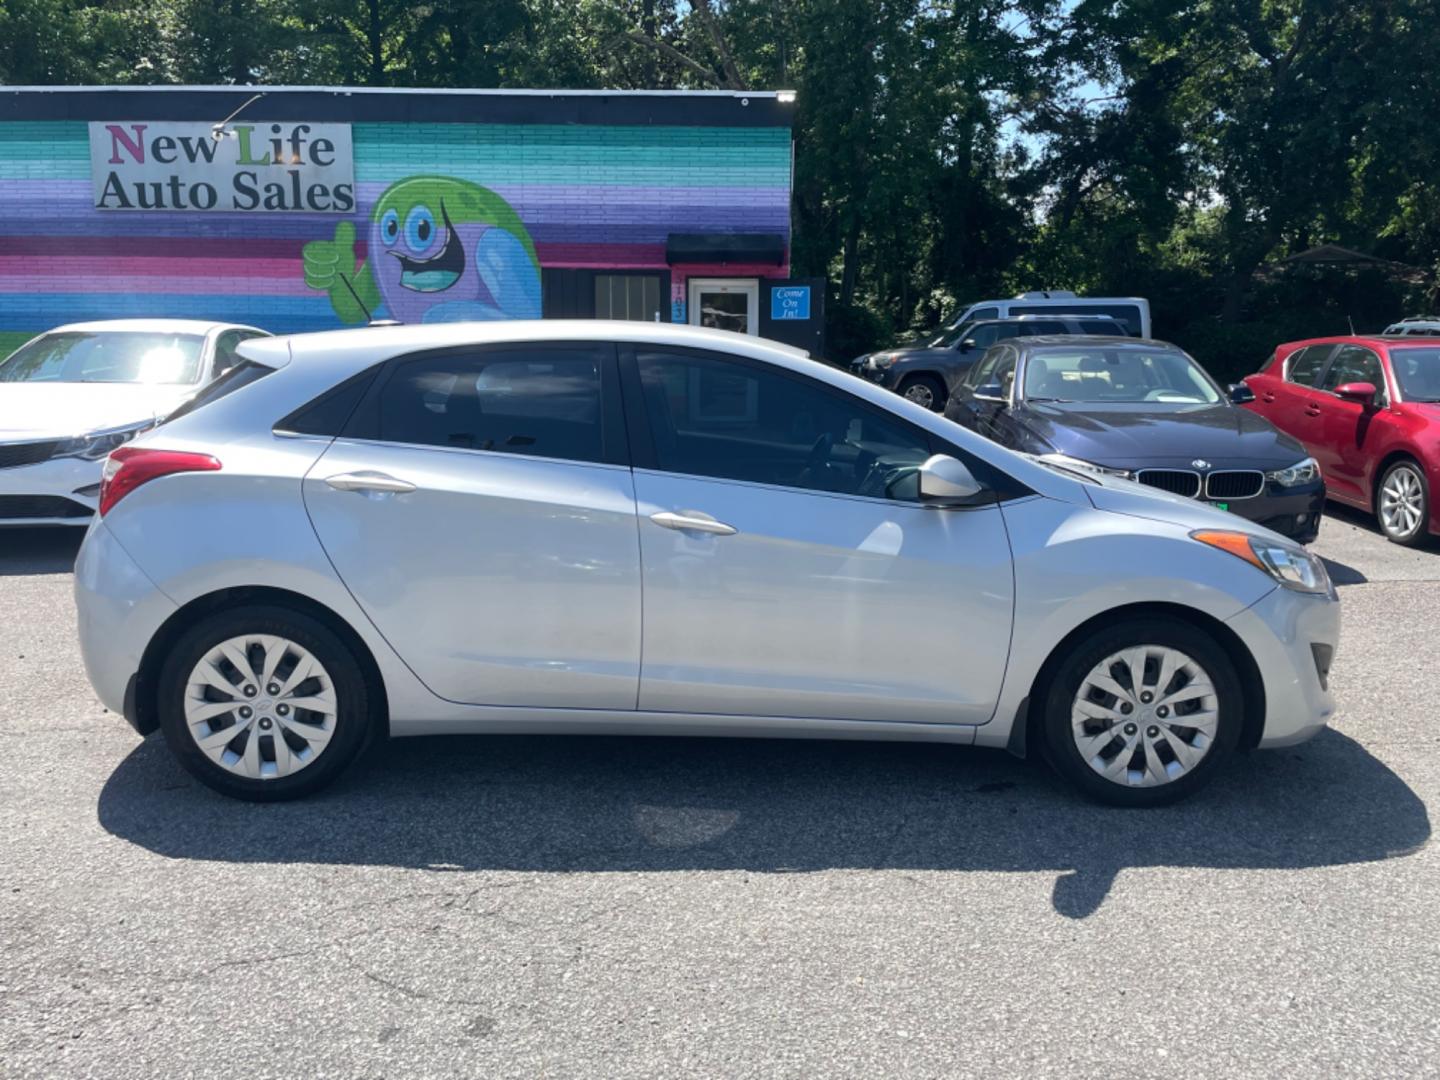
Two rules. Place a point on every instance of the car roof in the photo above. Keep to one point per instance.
(1382, 340)
(1112, 341)
(373, 343)
(174, 326)
(1057, 317)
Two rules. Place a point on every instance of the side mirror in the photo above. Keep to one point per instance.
(992, 392)
(944, 481)
(968, 343)
(1240, 393)
(1362, 393)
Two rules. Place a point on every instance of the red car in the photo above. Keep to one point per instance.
(1366, 408)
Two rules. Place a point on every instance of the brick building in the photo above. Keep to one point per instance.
(307, 208)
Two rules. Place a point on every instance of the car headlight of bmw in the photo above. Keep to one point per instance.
(1302, 472)
(97, 444)
(1289, 564)
(1065, 461)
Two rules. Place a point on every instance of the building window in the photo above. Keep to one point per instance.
(627, 296)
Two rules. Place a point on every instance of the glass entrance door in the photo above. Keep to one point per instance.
(726, 304)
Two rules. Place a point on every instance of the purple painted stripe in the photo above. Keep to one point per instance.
(79, 192)
(298, 228)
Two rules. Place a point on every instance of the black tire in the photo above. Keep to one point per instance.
(1058, 699)
(354, 699)
(1420, 535)
(922, 385)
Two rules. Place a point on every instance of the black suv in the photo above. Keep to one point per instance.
(927, 374)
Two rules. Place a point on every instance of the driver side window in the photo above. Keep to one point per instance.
(734, 420)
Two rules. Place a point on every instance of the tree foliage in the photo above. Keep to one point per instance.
(944, 148)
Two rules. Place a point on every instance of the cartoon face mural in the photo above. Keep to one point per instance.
(438, 250)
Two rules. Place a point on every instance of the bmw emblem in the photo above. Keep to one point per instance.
(1200, 463)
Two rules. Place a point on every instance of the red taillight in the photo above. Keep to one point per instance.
(130, 466)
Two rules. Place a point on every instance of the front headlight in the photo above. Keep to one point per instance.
(1065, 461)
(97, 444)
(1302, 472)
(884, 360)
(1289, 564)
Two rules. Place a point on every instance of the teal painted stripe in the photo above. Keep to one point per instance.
(57, 150)
(570, 134)
(42, 169)
(44, 130)
(504, 171)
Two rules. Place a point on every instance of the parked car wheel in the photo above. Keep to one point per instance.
(263, 703)
(1142, 713)
(1403, 504)
(925, 390)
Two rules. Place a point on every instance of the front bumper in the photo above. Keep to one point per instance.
(60, 491)
(1292, 512)
(1282, 630)
(877, 375)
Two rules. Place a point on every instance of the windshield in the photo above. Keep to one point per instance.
(106, 357)
(1117, 375)
(949, 339)
(1417, 370)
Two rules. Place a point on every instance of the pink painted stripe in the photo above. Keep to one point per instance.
(188, 284)
(152, 265)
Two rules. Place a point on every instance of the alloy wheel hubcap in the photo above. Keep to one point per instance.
(1400, 502)
(1145, 716)
(260, 706)
(921, 395)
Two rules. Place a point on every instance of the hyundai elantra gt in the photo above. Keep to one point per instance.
(609, 527)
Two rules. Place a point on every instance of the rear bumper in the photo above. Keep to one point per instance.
(61, 491)
(1281, 631)
(119, 609)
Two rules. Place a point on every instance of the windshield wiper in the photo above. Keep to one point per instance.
(1062, 400)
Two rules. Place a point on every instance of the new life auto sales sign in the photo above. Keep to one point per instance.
(279, 167)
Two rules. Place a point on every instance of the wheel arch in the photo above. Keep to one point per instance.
(1398, 454)
(143, 687)
(1025, 732)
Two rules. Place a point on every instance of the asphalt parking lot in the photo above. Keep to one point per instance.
(610, 908)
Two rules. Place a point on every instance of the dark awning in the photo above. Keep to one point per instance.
(767, 248)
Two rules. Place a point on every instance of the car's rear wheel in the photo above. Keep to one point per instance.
(924, 390)
(1142, 713)
(1402, 505)
(263, 703)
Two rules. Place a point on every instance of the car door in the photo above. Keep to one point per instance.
(480, 508)
(1348, 431)
(789, 567)
(1291, 401)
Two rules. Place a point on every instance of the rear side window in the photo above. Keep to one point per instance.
(535, 401)
(242, 374)
(331, 411)
(1042, 327)
(1128, 315)
(1304, 366)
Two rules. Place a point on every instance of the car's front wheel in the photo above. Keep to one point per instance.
(1403, 504)
(263, 703)
(1142, 713)
(924, 390)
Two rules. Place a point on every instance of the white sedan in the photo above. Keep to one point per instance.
(70, 396)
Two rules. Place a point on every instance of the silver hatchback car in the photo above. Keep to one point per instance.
(609, 527)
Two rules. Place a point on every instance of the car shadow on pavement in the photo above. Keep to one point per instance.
(40, 550)
(567, 804)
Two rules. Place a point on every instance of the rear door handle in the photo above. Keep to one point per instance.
(370, 481)
(692, 521)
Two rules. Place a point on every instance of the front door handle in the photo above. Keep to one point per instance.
(692, 521)
(370, 481)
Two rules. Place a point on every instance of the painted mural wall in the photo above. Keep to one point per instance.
(451, 221)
